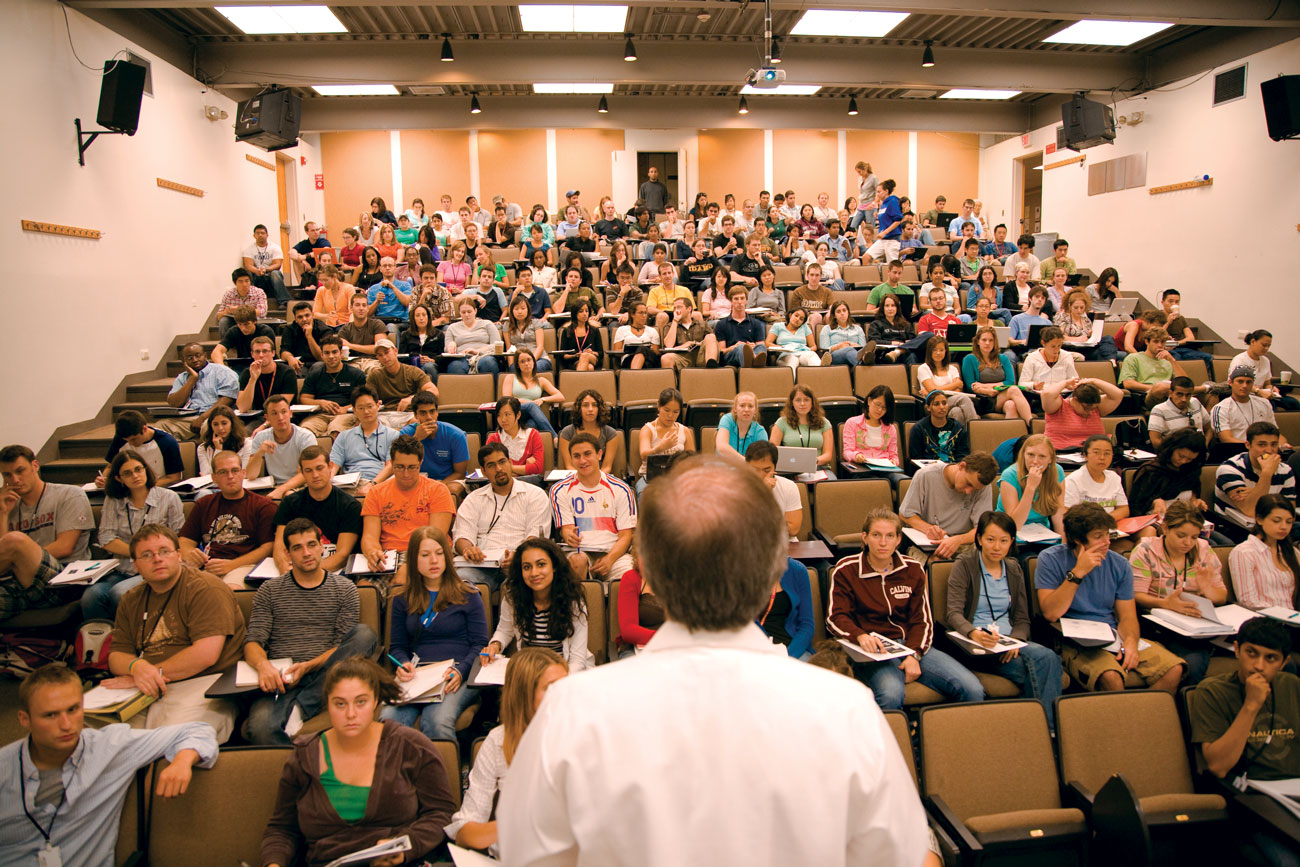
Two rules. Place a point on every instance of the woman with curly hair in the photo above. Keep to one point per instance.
(542, 606)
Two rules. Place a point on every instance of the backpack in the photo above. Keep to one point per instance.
(1131, 433)
(94, 641)
(21, 654)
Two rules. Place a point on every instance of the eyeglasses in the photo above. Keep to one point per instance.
(150, 556)
(131, 472)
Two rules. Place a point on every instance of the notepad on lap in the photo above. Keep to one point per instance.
(468, 857)
(246, 675)
(84, 572)
(492, 673)
(427, 684)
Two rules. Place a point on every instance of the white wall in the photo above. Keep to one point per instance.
(1189, 239)
(78, 313)
(625, 180)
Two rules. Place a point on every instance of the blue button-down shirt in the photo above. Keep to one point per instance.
(215, 380)
(390, 307)
(354, 452)
(95, 780)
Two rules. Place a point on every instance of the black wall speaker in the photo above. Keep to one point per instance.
(120, 93)
(269, 120)
(1282, 106)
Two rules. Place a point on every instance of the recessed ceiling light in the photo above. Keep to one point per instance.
(283, 19)
(573, 19)
(972, 93)
(782, 90)
(1094, 32)
(573, 87)
(355, 89)
(844, 22)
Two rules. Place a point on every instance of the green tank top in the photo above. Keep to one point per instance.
(347, 800)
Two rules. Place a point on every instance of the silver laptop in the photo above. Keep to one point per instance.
(795, 459)
(1121, 309)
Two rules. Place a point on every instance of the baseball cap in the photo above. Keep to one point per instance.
(1242, 370)
(384, 341)
(572, 193)
(496, 200)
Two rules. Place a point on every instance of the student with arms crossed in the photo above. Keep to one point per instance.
(310, 616)
(63, 771)
(1083, 578)
(335, 513)
(937, 437)
(1244, 478)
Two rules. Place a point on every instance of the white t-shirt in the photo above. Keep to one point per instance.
(263, 256)
(625, 335)
(1263, 368)
(282, 464)
(1080, 488)
(949, 382)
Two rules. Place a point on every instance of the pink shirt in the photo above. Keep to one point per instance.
(1257, 578)
(1067, 429)
(854, 442)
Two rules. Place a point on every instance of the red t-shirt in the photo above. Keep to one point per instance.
(1067, 429)
(351, 256)
(936, 324)
(231, 528)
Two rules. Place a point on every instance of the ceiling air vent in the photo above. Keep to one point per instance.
(1230, 85)
(917, 93)
(427, 90)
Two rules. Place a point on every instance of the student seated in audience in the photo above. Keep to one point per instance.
(1068, 421)
(685, 340)
(362, 780)
(937, 437)
(332, 305)
(1031, 490)
(741, 337)
(264, 378)
(368, 274)
(1077, 325)
(637, 340)
(1133, 336)
(534, 393)
(640, 614)
(329, 386)
(664, 435)
(791, 344)
(936, 320)
(1096, 482)
(1060, 259)
(311, 616)
(803, 424)
(893, 285)
(761, 457)
(262, 261)
(739, 429)
(1082, 578)
(1149, 372)
(991, 376)
(224, 432)
(439, 616)
(522, 328)
(938, 372)
(335, 513)
(200, 387)
(1049, 363)
(485, 292)
(363, 448)
(1264, 567)
(300, 339)
(455, 270)
(881, 591)
(596, 512)
(56, 517)
(157, 448)
(1243, 479)
(981, 318)
(422, 341)
(814, 298)
(987, 601)
(82, 775)
(1258, 343)
(396, 384)
(945, 501)
(473, 337)
(359, 335)
(1175, 474)
(229, 533)
(1234, 415)
(591, 415)
(542, 605)
(890, 328)
(787, 619)
(1024, 255)
(946, 282)
(397, 507)
(1033, 315)
(766, 295)
(1001, 298)
(174, 634)
(873, 436)
(237, 342)
(524, 445)
(130, 499)
(842, 341)
(242, 294)
(575, 292)
(1180, 411)
(277, 446)
(478, 533)
(1180, 332)
(1175, 562)
(531, 672)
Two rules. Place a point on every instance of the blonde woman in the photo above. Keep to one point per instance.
(530, 673)
(367, 231)
(1032, 490)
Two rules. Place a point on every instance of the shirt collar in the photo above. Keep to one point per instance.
(865, 570)
(673, 636)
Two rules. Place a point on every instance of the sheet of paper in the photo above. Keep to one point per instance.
(1138, 455)
(919, 539)
(427, 682)
(101, 697)
(346, 480)
(266, 570)
(1234, 615)
(294, 725)
(246, 675)
(1086, 630)
(925, 462)
(815, 476)
(1005, 643)
(303, 407)
(360, 566)
(194, 483)
(893, 650)
(1070, 458)
(84, 571)
(265, 483)
(91, 487)
(492, 673)
(1290, 615)
(468, 857)
(1037, 533)
(882, 466)
(492, 558)
(372, 853)
(559, 475)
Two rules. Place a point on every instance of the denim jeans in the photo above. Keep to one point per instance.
(939, 671)
(1037, 671)
(535, 417)
(848, 355)
(431, 368)
(269, 713)
(273, 284)
(486, 364)
(101, 599)
(437, 720)
(1183, 353)
(856, 219)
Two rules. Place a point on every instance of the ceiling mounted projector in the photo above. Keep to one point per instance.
(766, 76)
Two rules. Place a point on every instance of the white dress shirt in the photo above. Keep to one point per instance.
(710, 748)
(485, 778)
(492, 521)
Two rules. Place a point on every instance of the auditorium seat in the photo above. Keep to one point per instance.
(833, 386)
(839, 507)
(593, 593)
(603, 382)
(892, 376)
(995, 686)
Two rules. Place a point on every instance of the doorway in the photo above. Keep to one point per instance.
(666, 163)
(1029, 177)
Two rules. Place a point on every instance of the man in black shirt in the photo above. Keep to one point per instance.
(745, 267)
(301, 254)
(581, 242)
(329, 386)
(611, 228)
(265, 377)
(300, 339)
(237, 342)
(336, 513)
(730, 242)
(653, 192)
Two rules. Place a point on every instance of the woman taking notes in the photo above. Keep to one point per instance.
(542, 606)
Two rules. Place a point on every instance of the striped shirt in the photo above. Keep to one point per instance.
(291, 621)
(1238, 473)
(599, 513)
(1067, 429)
(542, 633)
(1257, 578)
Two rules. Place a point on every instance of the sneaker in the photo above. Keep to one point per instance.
(711, 363)
(747, 355)
(826, 359)
(868, 353)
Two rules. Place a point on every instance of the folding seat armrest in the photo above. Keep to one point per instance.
(1080, 796)
(954, 827)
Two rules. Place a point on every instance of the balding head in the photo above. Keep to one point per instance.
(712, 565)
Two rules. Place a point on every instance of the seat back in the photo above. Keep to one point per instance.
(643, 386)
(819, 621)
(449, 752)
(190, 461)
(705, 385)
(989, 757)
(1096, 370)
(129, 825)
(224, 812)
(574, 382)
(473, 440)
(788, 275)
(1131, 732)
(593, 593)
(861, 276)
(897, 720)
(839, 508)
(986, 433)
(806, 527)
(770, 384)
(893, 376)
(828, 383)
(707, 443)
(467, 391)
(611, 619)
(940, 571)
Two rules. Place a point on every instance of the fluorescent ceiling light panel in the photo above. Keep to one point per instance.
(1093, 32)
(355, 89)
(782, 90)
(971, 93)
(841, 22)
(573, 19)
(283, 19)
(573, 87)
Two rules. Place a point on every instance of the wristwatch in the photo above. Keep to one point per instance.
(1072, 578)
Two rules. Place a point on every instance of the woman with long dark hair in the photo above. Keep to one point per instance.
(1264, 568)
(542, 606)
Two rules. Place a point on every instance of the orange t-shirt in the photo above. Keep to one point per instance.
(401, 513)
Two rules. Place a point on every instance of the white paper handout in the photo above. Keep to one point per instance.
(492, 558)
(266, 570)
(1205, 626)
(246, 675)
(360, 566)
(265, 483)
(1286, 615)
(346, 480)
(468, 857)
(1037, 533)
(1005, 643)
(919, 539)
(294, 724)
(84, 572)
(426, 686)
(375, 852)
(559, 475)
(101, 697)
(193, 483)
(893, 650)
(1090, 631)
(492, 673)
(1234, 615)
